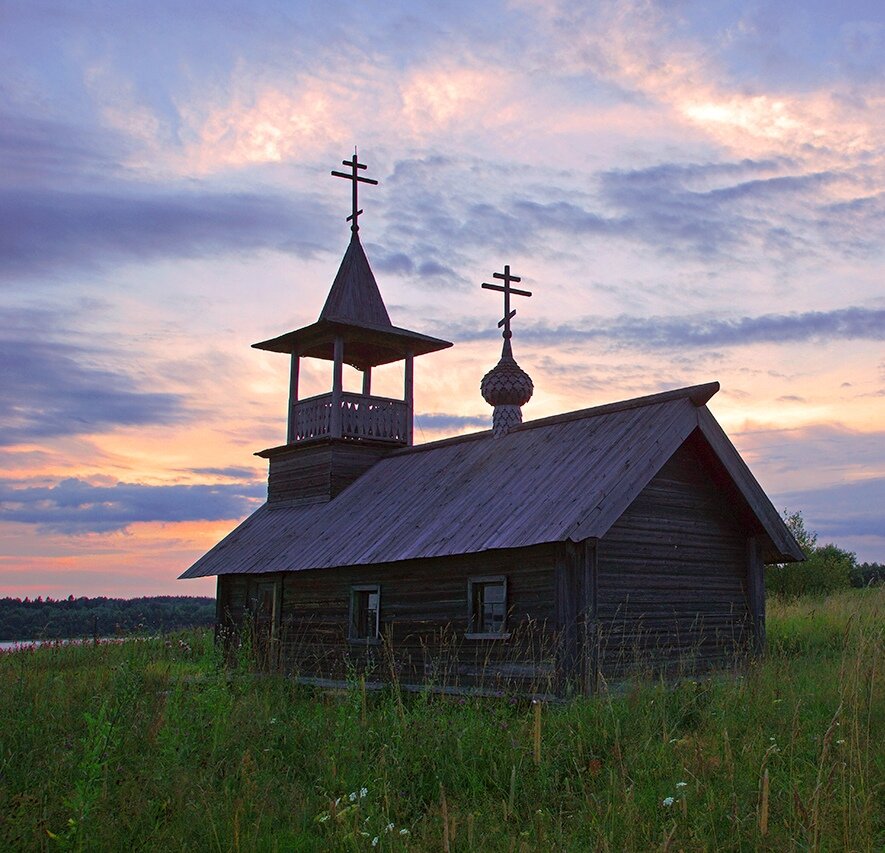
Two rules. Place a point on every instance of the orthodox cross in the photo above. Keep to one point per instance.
(357, 179)
(506, 290)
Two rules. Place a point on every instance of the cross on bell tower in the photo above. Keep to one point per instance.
(356, 179)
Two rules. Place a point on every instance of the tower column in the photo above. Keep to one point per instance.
(292, 428)
(337, 388)
(367, 381)
(409, 397)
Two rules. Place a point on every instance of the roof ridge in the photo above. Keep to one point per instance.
(698, 394)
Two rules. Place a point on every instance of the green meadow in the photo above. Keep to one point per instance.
(152, 745)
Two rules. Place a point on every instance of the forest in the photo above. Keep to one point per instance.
(54, 619)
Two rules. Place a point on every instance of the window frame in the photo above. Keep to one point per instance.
(473, 581)
(368, 640)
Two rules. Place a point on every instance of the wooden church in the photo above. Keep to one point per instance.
(537, 557)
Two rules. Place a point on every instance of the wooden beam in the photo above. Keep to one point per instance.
(409, 397)
(219, 610)
(293, 397)
(591, 617)
(756, 592)
(337, 388)
(569, 588)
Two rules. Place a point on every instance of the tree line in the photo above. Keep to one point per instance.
(826, 567)
(56, 619)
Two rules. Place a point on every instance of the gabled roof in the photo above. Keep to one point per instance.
(568, 477)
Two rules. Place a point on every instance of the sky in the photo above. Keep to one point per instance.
(693, 191)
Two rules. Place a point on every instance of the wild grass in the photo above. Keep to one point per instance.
(152, 745)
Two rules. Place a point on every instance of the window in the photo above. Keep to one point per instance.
(365, 601)
(487, 599)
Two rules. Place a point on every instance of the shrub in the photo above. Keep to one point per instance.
(826, 569)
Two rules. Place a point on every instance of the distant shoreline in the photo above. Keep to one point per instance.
(22, 621)
(24, 645)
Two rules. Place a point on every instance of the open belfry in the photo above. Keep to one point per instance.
(536, 557)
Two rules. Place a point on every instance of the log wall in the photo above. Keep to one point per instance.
(303, 475)
(423, 622)
(672, 576)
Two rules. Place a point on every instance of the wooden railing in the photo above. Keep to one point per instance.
(376, 418)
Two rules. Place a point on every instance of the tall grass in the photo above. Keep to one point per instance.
(153, 745)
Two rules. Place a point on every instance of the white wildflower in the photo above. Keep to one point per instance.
(841, 740)
(352, 796)
(667, 801)
(682, 784)
(404, 832)
(375, 841)
(363, 792)
(388, 827)
(337, 800)
(324, 818)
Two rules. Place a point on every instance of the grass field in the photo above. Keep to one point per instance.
(149, 745)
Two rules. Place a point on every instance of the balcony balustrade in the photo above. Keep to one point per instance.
(360, 417)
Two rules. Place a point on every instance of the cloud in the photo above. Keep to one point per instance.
(75, 506)
(656, 333)
(656, 53)
(71, 198)
(49, 388)
(36, 150)
(801, 456)
(845, 510)
(443, 421)
(47, 230)
(776, 209)
(232, 472)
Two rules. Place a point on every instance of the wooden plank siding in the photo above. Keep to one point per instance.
(423, 622)
(316, 473)
(673, 576)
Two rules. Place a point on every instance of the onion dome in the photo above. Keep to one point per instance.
(506, 387)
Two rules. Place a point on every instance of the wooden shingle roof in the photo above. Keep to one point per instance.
(568, 477)
(354, 296)
(354, 311)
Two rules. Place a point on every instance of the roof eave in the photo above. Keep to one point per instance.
(784, 547)
(398, 341)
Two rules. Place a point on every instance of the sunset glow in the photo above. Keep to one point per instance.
(693, 192)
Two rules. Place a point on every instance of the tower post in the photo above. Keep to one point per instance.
(409, 397)
(337, 388)
(292, 428)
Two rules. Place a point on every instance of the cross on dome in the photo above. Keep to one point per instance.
(506, 387)
(357, 179)
(507, 278)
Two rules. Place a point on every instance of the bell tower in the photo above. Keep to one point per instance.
(334, 437)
